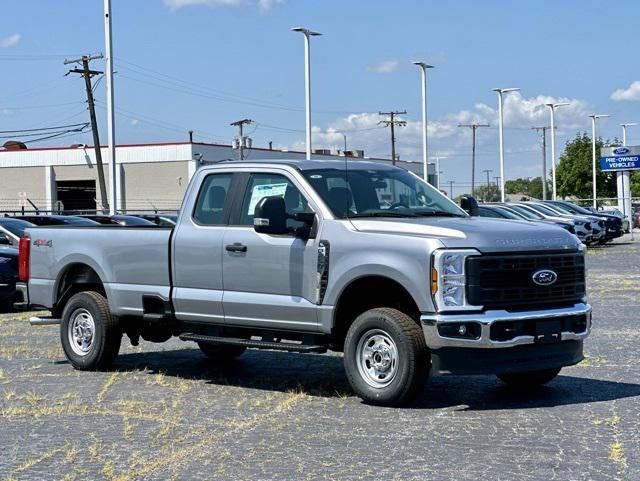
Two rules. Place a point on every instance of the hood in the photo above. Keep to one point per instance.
(482, 233)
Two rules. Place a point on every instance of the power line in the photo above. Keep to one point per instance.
(58, 127)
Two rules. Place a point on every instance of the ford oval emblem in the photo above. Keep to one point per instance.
(544, 277)
(621, 151)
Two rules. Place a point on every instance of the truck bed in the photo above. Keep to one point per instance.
(130, 261)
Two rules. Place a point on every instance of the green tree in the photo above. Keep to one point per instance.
(517, 186)
(635, 183)
(488, 193)
(530, 187)
(574, 171)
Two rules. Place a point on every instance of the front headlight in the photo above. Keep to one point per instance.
(448, 279)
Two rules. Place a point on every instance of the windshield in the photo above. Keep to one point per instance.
(560, 208)
(71, 220)
(507, 213)
(543, 210)
(380, 192)
(580, 210)
(525, 212)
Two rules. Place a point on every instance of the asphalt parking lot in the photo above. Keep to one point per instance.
(165, 412)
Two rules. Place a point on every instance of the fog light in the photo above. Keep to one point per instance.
(462, 330)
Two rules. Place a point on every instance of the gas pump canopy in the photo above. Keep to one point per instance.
(620, 158)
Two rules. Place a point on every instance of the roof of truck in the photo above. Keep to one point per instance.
(312, 164)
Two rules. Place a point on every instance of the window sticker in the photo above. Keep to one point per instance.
(265, 190)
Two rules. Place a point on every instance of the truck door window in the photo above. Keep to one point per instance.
(267, 185)
(211, 199)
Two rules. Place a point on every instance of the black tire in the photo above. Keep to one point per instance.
(105, 338)
(221, 353)
(529, 379)
(412, 360)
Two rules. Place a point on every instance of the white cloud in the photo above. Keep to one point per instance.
(384, 66)
(263, 4)
(135, 122)
(520, 114)
(10, 41)
(175, 4)
(268, 4)
(631, 93)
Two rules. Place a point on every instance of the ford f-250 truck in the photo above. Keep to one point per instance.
(306, 256)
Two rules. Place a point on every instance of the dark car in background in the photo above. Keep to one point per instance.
(8, 276)
(12, 229)
(117, 219)
(42, 220)
(503, 212)
(612, 224)
(161, 220)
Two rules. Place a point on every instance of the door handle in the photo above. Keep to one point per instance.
(236, 247)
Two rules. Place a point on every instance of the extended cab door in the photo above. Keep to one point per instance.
(197, 250)
(269, 280)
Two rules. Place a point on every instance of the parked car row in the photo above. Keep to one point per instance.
(591, 228)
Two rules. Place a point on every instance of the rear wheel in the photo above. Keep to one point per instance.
(385, 357)
(529, 378)
(221, 353)
(90, 335)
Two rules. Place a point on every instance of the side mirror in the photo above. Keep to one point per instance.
(270, 216)
(469, 204)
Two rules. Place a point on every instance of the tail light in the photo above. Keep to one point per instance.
(24, 253)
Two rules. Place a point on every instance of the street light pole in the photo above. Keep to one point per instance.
(307, 81)
(501, 92)
(593, 156)
(552, 108)
(113, 204)
(425, 153)
(624, 182)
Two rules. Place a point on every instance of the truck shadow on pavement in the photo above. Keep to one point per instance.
(323, 376)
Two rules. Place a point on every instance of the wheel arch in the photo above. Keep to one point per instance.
(75, 277)
(369, 292)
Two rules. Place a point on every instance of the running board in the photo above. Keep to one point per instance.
(44, 321)
(233, 341)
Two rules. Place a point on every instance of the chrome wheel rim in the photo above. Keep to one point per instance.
(81, 332)
(377, 358)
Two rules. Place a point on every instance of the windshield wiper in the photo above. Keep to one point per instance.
(436, 214)
(383, 213)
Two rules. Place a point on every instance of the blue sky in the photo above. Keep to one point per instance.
(202, 64)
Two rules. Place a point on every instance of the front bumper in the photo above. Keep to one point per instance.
(540, 340)
(434, 324)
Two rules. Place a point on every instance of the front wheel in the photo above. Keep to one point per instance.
(90, 335)
(528, 379)
(385, 357)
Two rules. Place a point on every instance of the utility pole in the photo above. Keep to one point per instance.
(488, 171)
(544, 159)
(241, 140)
(392, 122)
(473, 128)
(87, 73)
(451, 182)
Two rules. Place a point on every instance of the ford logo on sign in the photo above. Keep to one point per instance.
(544, 277)
(621, 151)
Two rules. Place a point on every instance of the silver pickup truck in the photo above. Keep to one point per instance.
(306, 256)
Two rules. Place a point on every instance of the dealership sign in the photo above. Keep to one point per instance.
(620, 158)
